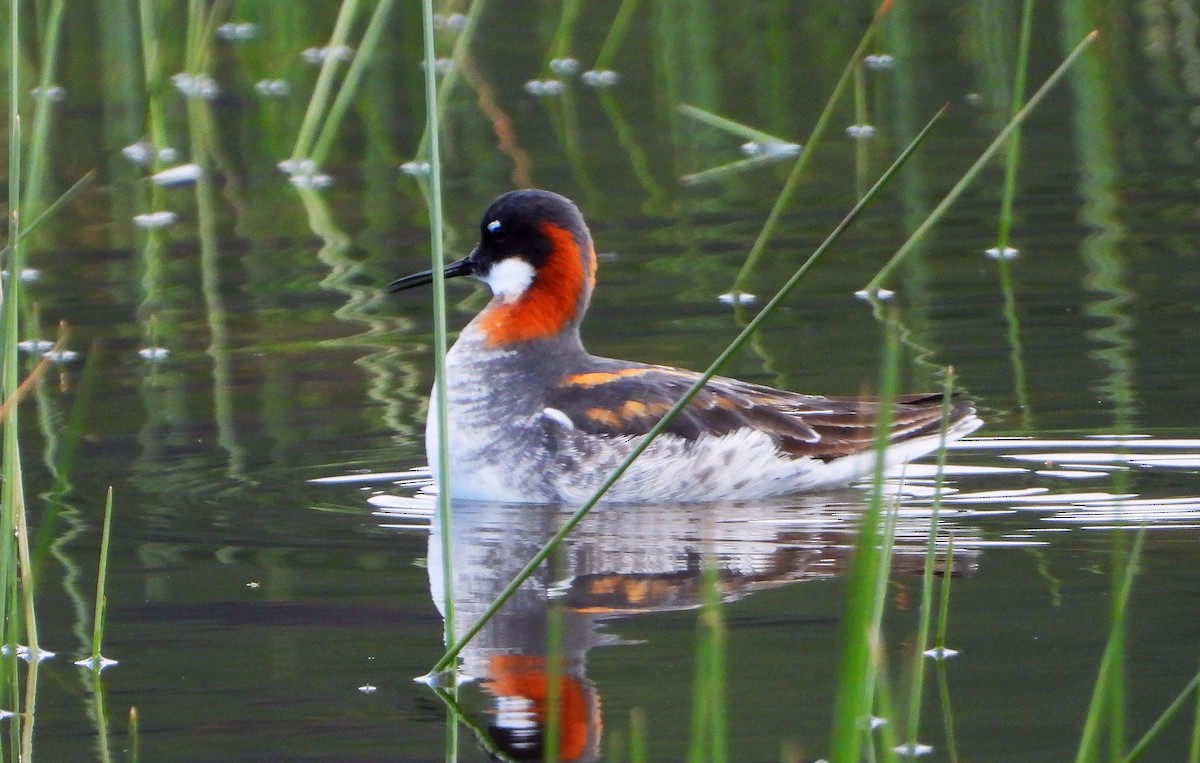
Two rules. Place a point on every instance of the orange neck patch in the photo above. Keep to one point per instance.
(550, 302)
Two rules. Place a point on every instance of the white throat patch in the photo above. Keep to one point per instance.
(509, 278)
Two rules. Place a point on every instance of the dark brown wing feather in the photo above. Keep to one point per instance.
(623, 400)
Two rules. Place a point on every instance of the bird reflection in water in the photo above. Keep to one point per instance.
(623, 560)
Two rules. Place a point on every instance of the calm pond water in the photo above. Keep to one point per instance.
(268, 590)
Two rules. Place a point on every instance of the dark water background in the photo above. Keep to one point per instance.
(249, 606)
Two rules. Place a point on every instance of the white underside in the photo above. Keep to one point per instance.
(738, 466)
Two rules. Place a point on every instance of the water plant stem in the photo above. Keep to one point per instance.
(320, 96)
(134, 735)
(944, 595)
(865, 578)
(1135, 753)
(366, 49)
(40, 136)
(746, 333)
(814, 137)
(922, 641)
(1194, 750)
(555, 636)
(616, 34)
(1012, 158)
(917, 235)
(1006, 212)
(1090, 738)
(450, 79)
(438, 258)
(101, 580)
(708, 737)
(638, 750)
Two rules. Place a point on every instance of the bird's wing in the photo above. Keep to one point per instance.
(627, 400)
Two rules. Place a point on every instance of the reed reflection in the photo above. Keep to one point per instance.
(623, 560)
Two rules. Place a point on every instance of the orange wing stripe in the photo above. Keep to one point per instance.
(603, 416)
(597, 378)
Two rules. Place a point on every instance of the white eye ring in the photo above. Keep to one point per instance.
(493, 226)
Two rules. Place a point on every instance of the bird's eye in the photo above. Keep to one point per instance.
(497, 230)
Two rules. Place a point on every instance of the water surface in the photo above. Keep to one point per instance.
(257, 614)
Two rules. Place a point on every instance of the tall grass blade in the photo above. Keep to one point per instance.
(366, 49)
(746, 333)
(101, 580)
(862, 120)
(25, 387)
(944, 595)
(10, 490)
(947, 712)
(461, 46)
(638, 746)
(616, 34)
(1136, 752)
(1012, 158)
(708, 740)
(922, 642)
(860, 636)
(728, 125)
(876, 283)
(456, 714)
(317, 104)
(1090, 738)
(814, 138)
(40, 135)
(438, 259)
(28, 229)
(1016, 354)
(1194, 750)
(555, 634)
(134, 735)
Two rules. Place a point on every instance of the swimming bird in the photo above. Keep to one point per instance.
(533, 417)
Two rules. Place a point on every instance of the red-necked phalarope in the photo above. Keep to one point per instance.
(534, 418)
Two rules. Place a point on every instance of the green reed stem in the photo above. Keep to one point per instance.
(101, 581)
(1194, 750)
(1006, 206)
(861, 118)
(708, 738)
(866, 579)
(349, 88)
(560, 46)
(1163, 720)
(455, 714)
(13, 489)
(748, 331)
(814, 138)
(1090, 738)
(922, 642)
(317, 104)
(616, 34)
(28, 229)
(100, 715)
(944, 593)
(728, 125)
(1014, 145)
(638, 747)
(877, 282)
(152, 68)
(554, 673)
(450, 79)
(39, 139)
(947, 711)
(878, 690)
(134, 735)
(438, 258)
